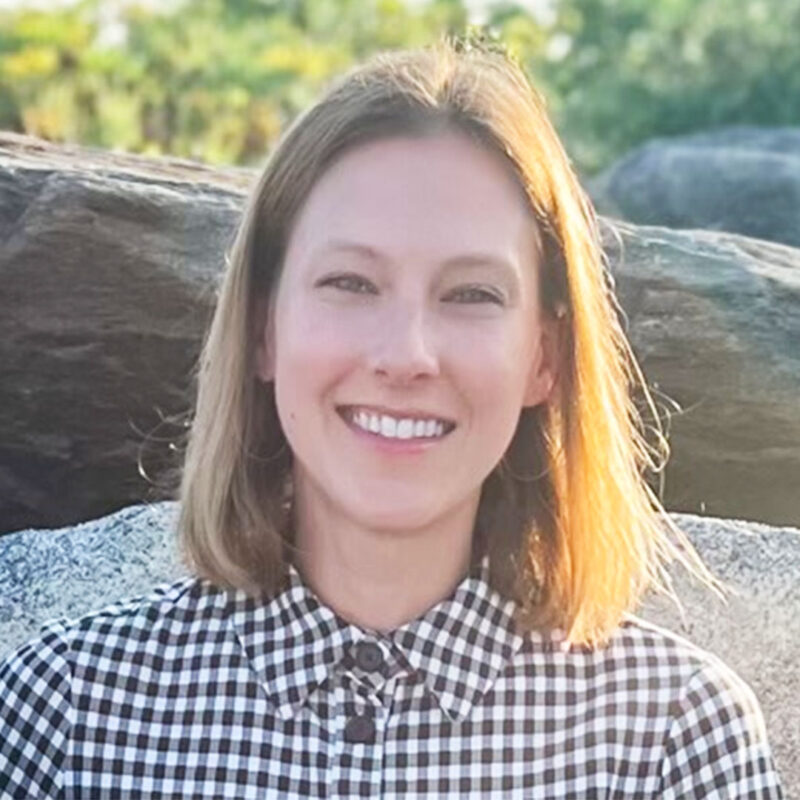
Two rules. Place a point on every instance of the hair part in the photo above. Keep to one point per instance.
(573, 532)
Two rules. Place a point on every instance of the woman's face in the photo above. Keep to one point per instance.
(406, 333)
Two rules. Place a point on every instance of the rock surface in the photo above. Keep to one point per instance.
(68, 572)
(108, 266)
(715, 321)
(45, 574)
(742, 180)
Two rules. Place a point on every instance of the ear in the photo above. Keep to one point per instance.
(264, 334)
(544, 371)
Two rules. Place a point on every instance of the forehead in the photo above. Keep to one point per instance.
(430, 194)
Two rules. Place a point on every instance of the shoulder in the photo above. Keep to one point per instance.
(652, 647)
(169, 610)
(168, 614)
(648, 646)
(642, 671)
(43, 682)
(678, 706)
(654, 657)
(715, 741)
(637, 650)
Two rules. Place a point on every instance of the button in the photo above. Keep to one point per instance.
(359, 730)
(368, 656)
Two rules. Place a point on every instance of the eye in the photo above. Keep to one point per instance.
(476, 294)
(349, 282)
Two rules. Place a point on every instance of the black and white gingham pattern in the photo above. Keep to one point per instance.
(195, 692)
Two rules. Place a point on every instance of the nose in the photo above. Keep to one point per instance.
(403, 350)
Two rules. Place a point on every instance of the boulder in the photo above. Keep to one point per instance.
(69, 572)
(109, 263)
(714, 319)
(742, 180)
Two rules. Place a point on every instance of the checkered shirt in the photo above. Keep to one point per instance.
(200, 692)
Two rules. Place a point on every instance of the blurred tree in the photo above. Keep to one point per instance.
(218, 79)
(214, 80)
(41, 76)
(619, 72)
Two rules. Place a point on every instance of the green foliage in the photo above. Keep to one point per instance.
(217, 80)
(214, 80)
(620, 72)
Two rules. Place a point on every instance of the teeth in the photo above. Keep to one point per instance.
(405, 429)
(388, 427)
(393, 428)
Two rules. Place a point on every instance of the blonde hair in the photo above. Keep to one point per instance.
(572, 530)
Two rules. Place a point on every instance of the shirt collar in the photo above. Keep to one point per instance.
(294, 642)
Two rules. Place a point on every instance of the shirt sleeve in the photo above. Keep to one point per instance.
(35, 717)
(716, 746)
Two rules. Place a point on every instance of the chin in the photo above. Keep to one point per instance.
(394, 519)
(389, 522)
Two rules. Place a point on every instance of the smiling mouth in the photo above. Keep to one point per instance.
(396, 426)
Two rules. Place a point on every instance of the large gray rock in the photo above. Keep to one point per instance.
(715, 321)
(68, 572)
(743, 180)
(107, 268)
(108, 265)
(45, 574)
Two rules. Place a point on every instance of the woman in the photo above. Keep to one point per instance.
(412, 500)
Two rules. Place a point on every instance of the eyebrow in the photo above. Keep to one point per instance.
(354, 248)
(475, 260)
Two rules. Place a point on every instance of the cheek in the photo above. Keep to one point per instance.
(495, 364)
(312, 352)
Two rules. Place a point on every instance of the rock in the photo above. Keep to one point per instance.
(109, 263)
(715, 321)
(742, 180)
(69, 572)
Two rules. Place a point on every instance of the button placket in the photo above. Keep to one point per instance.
(359, 749)
(369, 667)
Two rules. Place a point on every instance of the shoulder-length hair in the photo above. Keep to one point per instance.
(573, 532)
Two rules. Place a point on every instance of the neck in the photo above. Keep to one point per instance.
(380, 579)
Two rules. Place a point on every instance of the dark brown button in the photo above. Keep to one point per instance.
(368, 656)
(359, 730)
